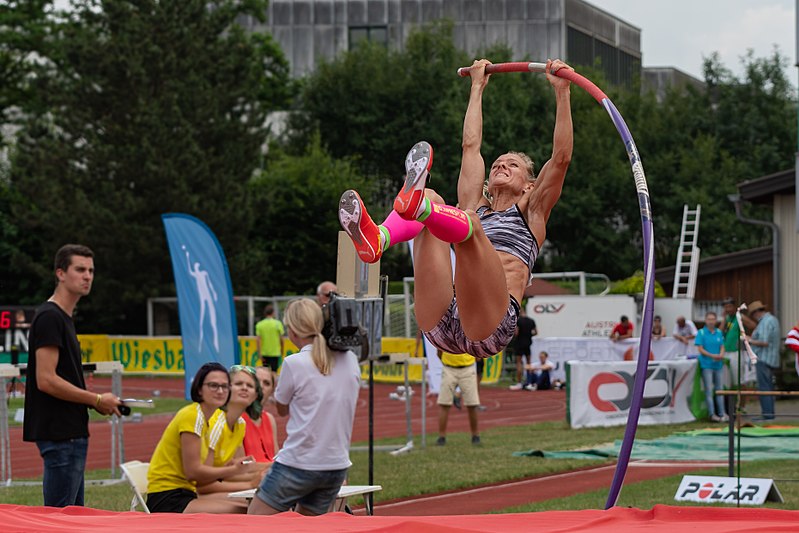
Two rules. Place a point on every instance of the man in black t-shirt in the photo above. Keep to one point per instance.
(525, 331)
(56, 399)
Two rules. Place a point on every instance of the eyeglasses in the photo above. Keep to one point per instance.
(217, 386)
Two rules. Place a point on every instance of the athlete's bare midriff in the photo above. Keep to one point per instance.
(516, 275)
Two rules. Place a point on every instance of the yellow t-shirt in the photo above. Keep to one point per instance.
(461, 359)
(222, 439)
(166, 464)
(270, 330)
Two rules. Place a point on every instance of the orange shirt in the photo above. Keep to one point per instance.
(259, 440)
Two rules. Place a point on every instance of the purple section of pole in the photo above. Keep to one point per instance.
(647, 231)
(644, 346)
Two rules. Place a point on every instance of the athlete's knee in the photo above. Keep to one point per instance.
(471, 213)
(433, 196)
(477, 226)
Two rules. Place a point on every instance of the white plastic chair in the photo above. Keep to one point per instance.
(136, 474)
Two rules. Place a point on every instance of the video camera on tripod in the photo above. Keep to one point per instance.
(343, 327)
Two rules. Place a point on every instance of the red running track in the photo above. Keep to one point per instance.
(503, 408)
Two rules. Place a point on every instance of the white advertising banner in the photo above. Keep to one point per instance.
(600, 393)
(562, 349)
(579, 316)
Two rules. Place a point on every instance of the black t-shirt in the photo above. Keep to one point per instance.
(526, 326)
(48, 417)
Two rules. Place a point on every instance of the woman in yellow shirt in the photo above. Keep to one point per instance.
(178, 463)
(227, 430)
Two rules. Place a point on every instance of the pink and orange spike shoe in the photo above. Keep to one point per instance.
(417, 167)
(359, 226)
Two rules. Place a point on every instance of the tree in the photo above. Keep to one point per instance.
(693, 145)
(23, 40)
(296, 198)
(704, 142)
(152, 107)
(402, 97)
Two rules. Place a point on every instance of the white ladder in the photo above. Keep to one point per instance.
(687, 268)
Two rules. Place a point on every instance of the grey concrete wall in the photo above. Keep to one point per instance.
(313, 30)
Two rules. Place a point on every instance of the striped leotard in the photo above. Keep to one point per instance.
(508, 232)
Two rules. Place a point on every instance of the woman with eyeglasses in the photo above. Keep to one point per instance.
(260, 438)
(318, 390)
(178, 463)
(226, 436)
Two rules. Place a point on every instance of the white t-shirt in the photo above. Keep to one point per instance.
(687, 330)
(321, 411)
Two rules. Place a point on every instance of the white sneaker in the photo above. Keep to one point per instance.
(518, 386)
(417, 167)
(725, 418)
(530, 386)
(714, 418)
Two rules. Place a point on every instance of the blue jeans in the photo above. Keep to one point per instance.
(64, 464)
(765, 383)
(711, 379)
(285, 486)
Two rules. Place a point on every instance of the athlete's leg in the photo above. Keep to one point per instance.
(480, 284)
(449, 224)
(369, 239)
(396, 229)
(355, 220)
(432, 270)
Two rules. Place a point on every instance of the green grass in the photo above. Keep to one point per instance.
(645, 494)
(108, 496)
(461, 465)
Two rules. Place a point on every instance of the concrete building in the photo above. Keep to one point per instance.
(310, 31)
(658, 79)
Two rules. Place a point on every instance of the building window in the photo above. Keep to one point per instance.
(619, 67)
(374, 34)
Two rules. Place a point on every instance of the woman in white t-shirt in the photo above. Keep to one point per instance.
(318, 389)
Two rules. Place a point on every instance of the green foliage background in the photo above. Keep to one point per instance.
(127, 109)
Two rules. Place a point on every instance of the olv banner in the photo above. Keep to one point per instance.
(205, 295)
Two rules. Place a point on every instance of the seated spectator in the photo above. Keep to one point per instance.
(178, 463)
(658, 331)
(318, 389)
(538, 373)
(226, 436)
(260, 438)
(685, 330)
(622, 330)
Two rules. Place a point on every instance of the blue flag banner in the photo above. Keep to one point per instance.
(205, 295)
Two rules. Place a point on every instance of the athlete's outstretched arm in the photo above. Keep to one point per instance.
(470, 181)
(550, 180)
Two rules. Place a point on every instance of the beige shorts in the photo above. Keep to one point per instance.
(463, 376)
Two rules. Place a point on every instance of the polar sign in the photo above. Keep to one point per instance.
(713, 489)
